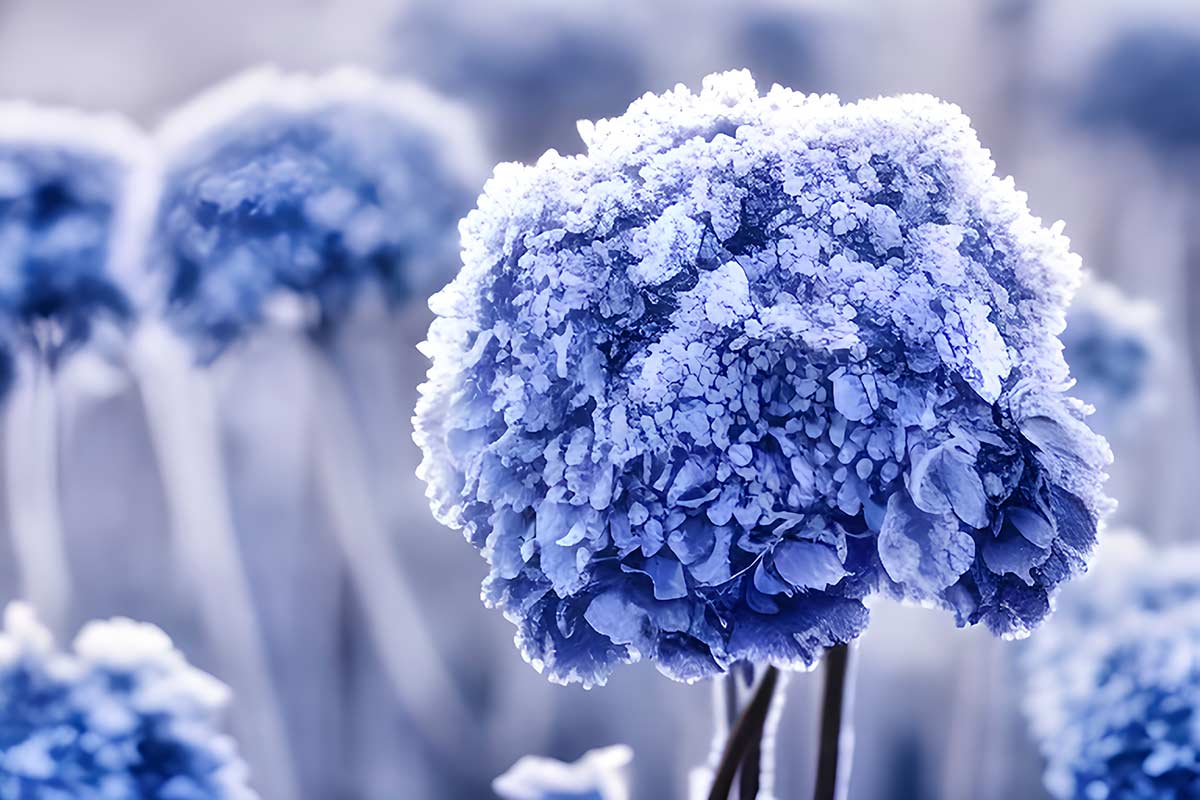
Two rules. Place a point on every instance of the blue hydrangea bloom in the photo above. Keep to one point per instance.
(1145, 83)
(1115, 678)
(700, 392)
(598, 775)
(64, 180)
(278, 186)
(122, 717)
(1115, 347)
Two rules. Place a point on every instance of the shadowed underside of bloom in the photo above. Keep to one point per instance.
(1145, 83)
(698, 393)
(279, 186)
(64, 178)
(1115, 678)
(1115, 347)
(598, 775)
(122, 717)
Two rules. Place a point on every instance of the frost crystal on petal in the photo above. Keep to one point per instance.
(312, 189)
(121, 716)
(702, 390)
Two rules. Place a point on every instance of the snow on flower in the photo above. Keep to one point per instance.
(121, 716)
(599, 775)
(698, 393)
(281, 186)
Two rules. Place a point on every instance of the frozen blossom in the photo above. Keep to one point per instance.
(314, 189)
(1115, 347)
(598, 775)
(698, 393)
(1115, 677)
(120, 717)
(64, 181)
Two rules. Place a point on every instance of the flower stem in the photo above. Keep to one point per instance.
(746, 735)
(31, 433)
(837, 731)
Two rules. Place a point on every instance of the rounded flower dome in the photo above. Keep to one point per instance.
(122, 716)
(278, 186)
(698, 393)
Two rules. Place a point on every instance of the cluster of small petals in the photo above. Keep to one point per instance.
(1116, 348)
(698, 393)
(1144, 82)
(278, 187)
(599, 775)
(1114, 678)
(121, 717)
(64, 181)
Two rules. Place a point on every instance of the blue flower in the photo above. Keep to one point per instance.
(1115, 347)
(122, 717)
(698, 393)
(1115, 678)
(598, 775)
(280, 187)
(1144, 82)
(64, 180)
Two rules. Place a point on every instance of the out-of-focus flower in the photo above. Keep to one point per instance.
(598, 775)
(1115, 677)
(1145, 83)
(1115, 347)
(535, 67)
(698, 393)
(122, 716)
(64, 180)
(278, 186)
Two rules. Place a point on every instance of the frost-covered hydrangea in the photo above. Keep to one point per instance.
(698, 393)
(121, 717)
(1145, 82)
(598, 775)
(64, 179)
(1115, 347)
(1115, 678)
(311, 188)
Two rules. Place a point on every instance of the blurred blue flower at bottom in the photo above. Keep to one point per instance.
(599, 775)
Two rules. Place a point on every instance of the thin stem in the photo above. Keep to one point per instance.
(837, 732)
(745, 734)
(31, 432)
(182, 417)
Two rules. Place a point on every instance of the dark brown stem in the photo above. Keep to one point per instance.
(751, 771)
(834, 710)
(746, 734)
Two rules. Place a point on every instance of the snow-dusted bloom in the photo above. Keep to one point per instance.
(1115, 677)
(599, 775)
(120, 717)
(698, 393)
(1115, 347)
(1144, 82)
(64, 180)
(277, 186)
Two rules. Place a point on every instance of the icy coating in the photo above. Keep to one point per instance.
(122, 717)
(310, 188)
(700, 392)
(599, 775)
(1115, 677)
(64, 180)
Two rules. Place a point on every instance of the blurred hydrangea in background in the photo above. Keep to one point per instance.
(672, 441)
(598, 775)
(121, 716)
(317, 189)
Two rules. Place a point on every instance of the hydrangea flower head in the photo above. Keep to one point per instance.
(121, 717)
(1115, 678)
(598, 775)
(277, 186)
(1145, 83)
(64, 181)
(698, 393)
(1115, 347)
